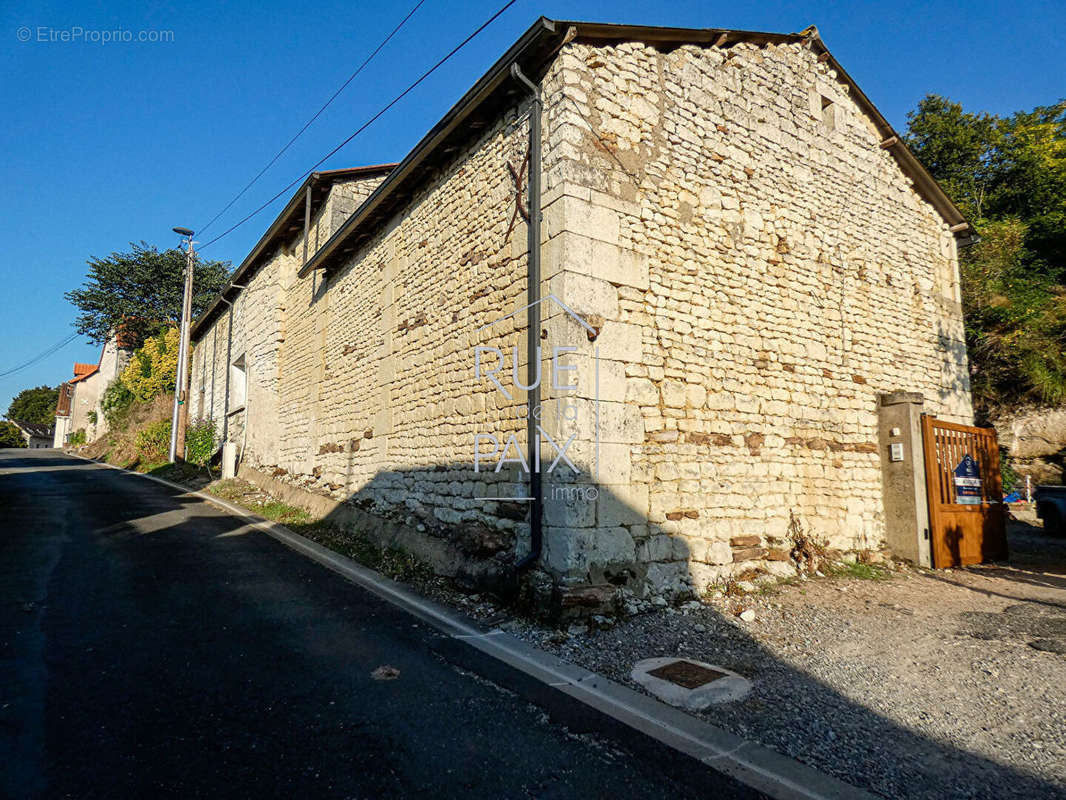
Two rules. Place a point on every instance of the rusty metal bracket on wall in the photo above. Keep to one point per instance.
(519, 185)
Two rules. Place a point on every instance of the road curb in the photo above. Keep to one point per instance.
(758, 767)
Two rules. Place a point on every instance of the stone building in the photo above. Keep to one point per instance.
(738, 257)
(80, 406)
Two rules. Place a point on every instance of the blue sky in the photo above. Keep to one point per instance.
(105, 144)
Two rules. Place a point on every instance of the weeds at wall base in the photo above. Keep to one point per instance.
(390, 561)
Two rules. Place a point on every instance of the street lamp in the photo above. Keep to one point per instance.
(180, 417)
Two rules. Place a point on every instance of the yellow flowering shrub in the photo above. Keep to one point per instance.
(152, 368)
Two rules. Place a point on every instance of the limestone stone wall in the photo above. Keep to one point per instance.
(764, 270)
(250, 330)
(361, 381)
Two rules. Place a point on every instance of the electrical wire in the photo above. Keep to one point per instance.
(309, 122)
(40, 356)
(366, 124)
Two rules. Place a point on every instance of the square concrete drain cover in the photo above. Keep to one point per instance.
(687, 674)
(688, 683)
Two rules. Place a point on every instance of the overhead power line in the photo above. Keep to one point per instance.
(309, 122)
(365, 125)
(40, 356)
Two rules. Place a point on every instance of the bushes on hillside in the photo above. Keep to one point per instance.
(137, 408)
(1015, 320)
(116, 403)
(149, 375)
(10, 435)
(153, 442)
(1008, 175)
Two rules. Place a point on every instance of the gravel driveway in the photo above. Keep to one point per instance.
(927, 685)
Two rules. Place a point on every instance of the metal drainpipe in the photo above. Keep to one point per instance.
(536, 486)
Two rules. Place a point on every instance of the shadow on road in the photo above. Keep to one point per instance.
(237, 640)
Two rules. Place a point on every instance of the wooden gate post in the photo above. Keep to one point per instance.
(903, 476)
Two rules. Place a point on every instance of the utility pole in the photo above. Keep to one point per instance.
(180, 418)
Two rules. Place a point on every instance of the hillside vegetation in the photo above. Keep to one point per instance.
(138, 407)
(1008, 175)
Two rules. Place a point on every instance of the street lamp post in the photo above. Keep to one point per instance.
(180, 417)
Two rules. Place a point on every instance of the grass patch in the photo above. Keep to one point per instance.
(248, 496)
(858, 570)
(282, 512)
(393, 562)
(390, 561)
(231, 489)
(770, 589)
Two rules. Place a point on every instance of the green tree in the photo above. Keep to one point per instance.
(200, 439)
(1015, 320)
(34, 405)
(1008, 174)
(1032, 185)
(116, 402)
(958, 148)
(142, 291)
(10, 435)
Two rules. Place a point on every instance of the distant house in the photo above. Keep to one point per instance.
(80, 405)
(62, 426)
(37, 435)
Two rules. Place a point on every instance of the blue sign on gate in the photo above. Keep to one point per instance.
(967, 482)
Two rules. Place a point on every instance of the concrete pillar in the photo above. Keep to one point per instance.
(229, 460)
(903, 476)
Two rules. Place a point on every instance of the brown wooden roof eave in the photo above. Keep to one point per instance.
(925, 183)
(533, 51)
(282, 228)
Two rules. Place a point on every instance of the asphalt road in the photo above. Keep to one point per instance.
(152, 645)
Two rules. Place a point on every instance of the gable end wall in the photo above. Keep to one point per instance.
(765, 270)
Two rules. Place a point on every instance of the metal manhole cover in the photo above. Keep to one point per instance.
(687, 674)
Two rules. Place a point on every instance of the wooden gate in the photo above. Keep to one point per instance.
(967, 522)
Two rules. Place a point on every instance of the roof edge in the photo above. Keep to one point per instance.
(488, 83)
(267, 239)
(565, 30)
(924, 182)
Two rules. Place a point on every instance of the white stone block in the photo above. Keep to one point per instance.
(585, 295)
(622, 505)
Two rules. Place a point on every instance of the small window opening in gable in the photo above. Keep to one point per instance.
(238, 383)
(829, 112)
